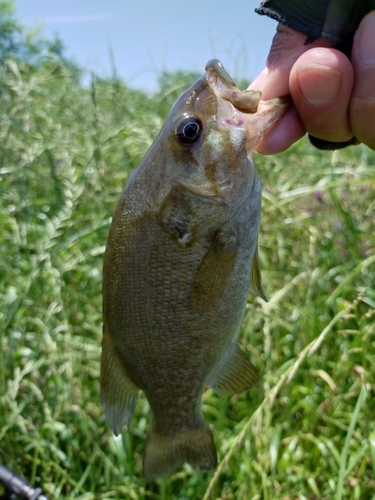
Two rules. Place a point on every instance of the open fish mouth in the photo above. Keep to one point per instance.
(225, 87)
(245, 101)
(243, 111)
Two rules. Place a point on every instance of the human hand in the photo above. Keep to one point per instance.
(334, 97)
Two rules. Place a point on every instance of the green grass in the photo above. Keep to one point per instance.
(306, 431)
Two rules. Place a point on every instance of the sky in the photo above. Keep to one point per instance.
(142, 38)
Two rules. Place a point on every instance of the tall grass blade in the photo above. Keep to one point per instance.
(345, 451)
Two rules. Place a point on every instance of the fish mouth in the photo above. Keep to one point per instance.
(225, 87)
(243, 110)
(245, 101)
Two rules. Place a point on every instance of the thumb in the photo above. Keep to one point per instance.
(287, 46)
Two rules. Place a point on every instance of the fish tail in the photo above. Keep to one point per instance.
(165, 453)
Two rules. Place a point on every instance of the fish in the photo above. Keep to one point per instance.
(181, 257)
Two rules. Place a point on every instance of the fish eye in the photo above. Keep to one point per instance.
(189, 129)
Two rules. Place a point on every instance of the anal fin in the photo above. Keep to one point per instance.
(237, 376)
(117, 392)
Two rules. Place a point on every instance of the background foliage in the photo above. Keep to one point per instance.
(306, 431)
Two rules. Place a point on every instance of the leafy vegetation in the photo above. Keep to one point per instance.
(306, 431)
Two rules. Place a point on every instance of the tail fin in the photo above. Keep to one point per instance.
(165, 453)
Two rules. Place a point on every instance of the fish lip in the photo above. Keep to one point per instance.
(218, 77)
(277, 106)
(285, 100)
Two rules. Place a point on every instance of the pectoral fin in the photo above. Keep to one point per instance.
(256, 278)
(213, 273)
(237, 376)
(118, 393)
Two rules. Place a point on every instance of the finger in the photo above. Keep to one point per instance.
(287, 47)
(259, 80)
(321, 83)
(287, 131)
(362, 108)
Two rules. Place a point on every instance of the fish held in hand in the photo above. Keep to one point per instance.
(180, 259)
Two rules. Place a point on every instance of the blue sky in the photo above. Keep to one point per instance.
(149, 36)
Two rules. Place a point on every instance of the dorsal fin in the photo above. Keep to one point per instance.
(256, 284)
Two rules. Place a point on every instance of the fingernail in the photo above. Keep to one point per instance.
(326, 91)
(366, 36)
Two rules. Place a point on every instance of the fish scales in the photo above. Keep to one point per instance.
(180, 259)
